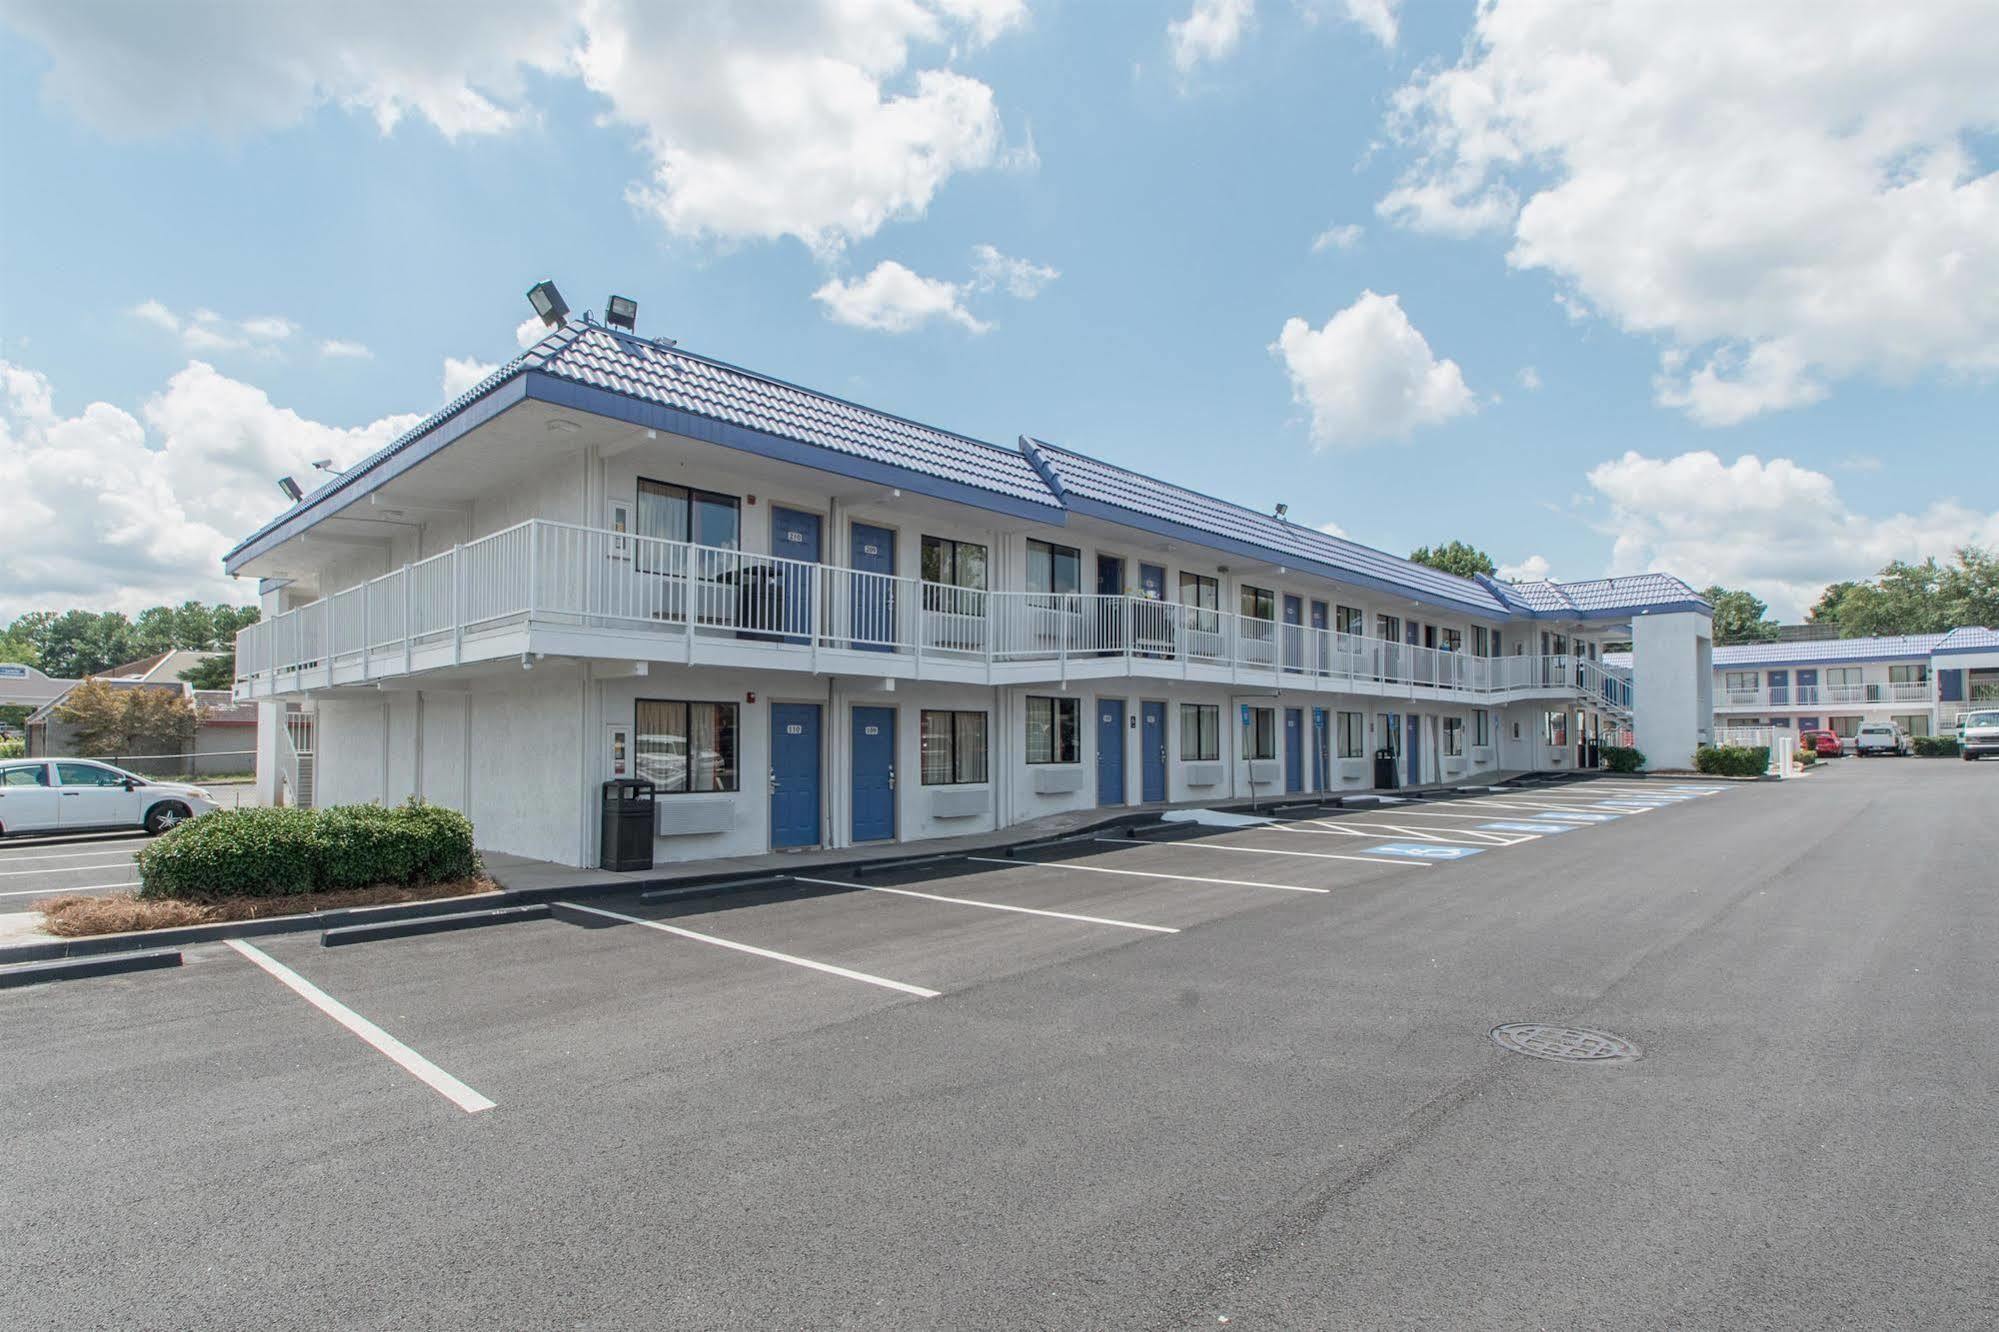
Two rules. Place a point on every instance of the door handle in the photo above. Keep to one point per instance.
(891, 777)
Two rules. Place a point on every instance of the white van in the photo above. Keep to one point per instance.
(80, 795)
(1978, 733)
(1881, 738)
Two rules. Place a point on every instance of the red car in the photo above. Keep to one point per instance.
(1823, 743)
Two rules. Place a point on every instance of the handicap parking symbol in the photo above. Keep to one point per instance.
(1422, 851)
(1526, 826)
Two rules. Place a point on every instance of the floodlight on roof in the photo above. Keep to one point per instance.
(621, 312)
(1283, 509)
(548, 303)
(290, 487)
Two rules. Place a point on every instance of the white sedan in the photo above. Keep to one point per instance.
(81, 795)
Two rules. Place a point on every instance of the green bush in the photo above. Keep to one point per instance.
(274, 852)
(12, 747)
(1936, 746)
(1807, 757)
(1732, 760)
(1621, 758)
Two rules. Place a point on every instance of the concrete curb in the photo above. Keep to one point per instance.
(461, 920)
(77, 968)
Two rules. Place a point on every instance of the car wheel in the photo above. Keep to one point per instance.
(166, 816)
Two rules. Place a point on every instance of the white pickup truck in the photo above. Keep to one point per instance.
(78, 795)
(1978, 733)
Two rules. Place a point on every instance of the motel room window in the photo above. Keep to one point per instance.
(1258, 603)
(1052, 568)
(1203, 598)
(1480, 646)
(954, 583)
(1555, 729)
(1451, 640)
(1388, 627)
(1739, 682)
(1481, 729)
(1454, 737)
(1908, 675)
(684, 748)
(1843, 727)
(677, 513)
(1391, 733)
(1915, 723)
(954, 748)
(1352, 734)
(1200, 732)
(1350, 620)
(1052, 729)
(1259, 734)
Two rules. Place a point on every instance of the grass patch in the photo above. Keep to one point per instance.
(122, 913)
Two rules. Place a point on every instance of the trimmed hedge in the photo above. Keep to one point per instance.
(1732, 760)
(1936, 746)
(1620, 758)
(1807, 757)
(274, 852)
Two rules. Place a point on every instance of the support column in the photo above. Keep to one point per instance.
(1672, 677)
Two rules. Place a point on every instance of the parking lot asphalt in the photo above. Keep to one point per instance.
(89, 864)
(1210, 1075)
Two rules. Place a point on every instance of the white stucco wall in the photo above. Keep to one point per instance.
(1672, 663)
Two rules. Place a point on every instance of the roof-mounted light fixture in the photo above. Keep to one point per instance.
(1283, 509)
(290, 487)
(621, 312)
(548, 303)
(326, 465)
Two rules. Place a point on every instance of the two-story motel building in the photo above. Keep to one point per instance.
(811, 623)
(1918, 681)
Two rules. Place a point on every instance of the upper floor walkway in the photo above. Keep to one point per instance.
(544, 588)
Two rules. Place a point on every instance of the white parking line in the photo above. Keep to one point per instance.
(1367, 828)
(1142, 874)
(66, 855)
(69, 888)
(754, 951)
(64, 869)
(990, 906)
(450, 1088)
(1259, 851)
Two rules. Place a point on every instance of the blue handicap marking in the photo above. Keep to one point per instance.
(1624, 805)
(1423, 851)
(1697, 790)
(1527, 826)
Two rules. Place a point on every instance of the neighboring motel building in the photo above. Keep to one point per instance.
(1918, 681)
(811, 623)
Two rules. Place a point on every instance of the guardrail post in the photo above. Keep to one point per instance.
(534, 566)
(457, 606)
(366, 652)
(407, 580)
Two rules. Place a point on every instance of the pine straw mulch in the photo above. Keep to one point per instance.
(122, 913)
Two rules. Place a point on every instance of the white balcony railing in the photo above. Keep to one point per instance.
(556, 575)
(1814, 696)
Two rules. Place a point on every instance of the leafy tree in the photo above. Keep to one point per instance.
(1926, 598)
(1739, 616)
(1457, 558)
(78, 643)
(111, 721)
(214, 672)
(1826, 609)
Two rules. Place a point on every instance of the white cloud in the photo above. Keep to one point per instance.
(120, 510)
(1369, 374)
(530, 331)
(343, 349)
(1859, 462)
(1777, 528)
(1787, 200)
(1020, 277)
(818, 119)
(892, 299)
(1377, 16)
(1530, 570)
(1530, 378)
(1332, 529)
(206, 331)
(462, 373)
(1337, 238)
(1211, 31)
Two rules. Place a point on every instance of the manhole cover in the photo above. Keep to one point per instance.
(1576, 1045)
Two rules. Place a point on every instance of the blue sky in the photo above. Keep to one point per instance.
(1526, 375)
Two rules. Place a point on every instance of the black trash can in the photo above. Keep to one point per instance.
(1595, 755)
(760, 603)
(628, 824)
(1384, 770)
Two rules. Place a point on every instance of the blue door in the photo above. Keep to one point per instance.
(793, 536)
(794, 774)
(1808, 687)
(1321, 653)
(874, 774)
(1152, 582)
(1780, 688)
(1413, 745)
(872, 552)
(1294, 639)
(1294, 750)
(1152, 752)
(1321, 752)
(1110, 751)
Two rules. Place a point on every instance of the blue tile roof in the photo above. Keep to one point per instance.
(1093, 486)
(590, 355)
(1827, 649)
(1971, 638)
(1595, 597)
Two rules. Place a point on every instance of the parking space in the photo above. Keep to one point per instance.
(613, 989)
(87, 863)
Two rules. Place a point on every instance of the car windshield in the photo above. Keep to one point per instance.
(1982, 719)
